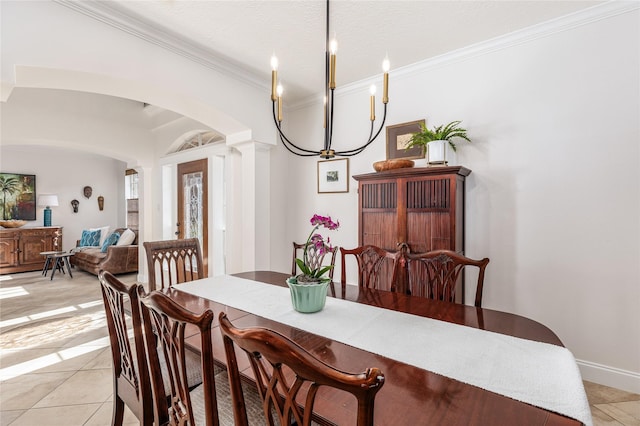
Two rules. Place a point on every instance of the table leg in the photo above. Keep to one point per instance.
(66, 260)
(55, 266)
(47, 263)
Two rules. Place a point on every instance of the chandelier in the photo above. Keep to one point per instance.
(330, 85)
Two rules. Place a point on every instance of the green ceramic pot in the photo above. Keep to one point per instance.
(308, 298)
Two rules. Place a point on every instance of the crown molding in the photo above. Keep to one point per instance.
(111, 14)
(525, 35)
(117, 17)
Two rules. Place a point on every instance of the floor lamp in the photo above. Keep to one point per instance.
(47, 201)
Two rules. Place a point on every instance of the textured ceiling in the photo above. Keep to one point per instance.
(246, 33)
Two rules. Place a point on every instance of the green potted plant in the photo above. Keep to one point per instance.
(309, 289)
(433, 141)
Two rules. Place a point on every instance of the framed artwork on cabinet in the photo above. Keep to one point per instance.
(333, 176)
(398, 137)
(17, 196)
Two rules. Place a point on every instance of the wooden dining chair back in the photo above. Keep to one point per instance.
(274, 360)
(172, 262)
(177, 403)
(131, 385)
(315, 257)
(436, 274)
(375, 266)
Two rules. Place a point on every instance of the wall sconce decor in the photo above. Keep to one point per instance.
(87, 190)
(47, 200)
(74, 204)
(101, 203)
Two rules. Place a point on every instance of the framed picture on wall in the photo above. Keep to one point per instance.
(398, 137)
(17, 196)
(333, 176)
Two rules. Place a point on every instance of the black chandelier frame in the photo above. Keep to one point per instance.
(328, 152)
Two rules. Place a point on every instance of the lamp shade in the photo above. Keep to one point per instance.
(48, 200)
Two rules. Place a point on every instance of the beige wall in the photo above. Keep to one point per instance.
(557, 213)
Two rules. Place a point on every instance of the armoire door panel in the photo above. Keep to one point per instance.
(428, 194)
(427, 204)
(379, 229)
(380, 195)
(428, 231)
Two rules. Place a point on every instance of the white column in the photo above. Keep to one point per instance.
(254, 179)
(145, 217)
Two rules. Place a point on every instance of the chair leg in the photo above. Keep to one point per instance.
(118, 411)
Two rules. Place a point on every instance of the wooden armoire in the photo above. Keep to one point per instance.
(422, 207)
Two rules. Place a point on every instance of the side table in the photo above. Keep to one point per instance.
(48, 258)
(60, 260)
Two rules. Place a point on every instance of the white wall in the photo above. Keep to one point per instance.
(65, 173)
(107, 60)
(554, 195)
(104, 125)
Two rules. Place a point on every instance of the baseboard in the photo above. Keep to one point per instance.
(610, 376)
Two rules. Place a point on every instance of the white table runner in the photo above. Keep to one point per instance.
(539, 374)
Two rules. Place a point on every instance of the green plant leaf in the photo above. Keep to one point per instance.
(443, 132)
(303, 268)
(320, 272)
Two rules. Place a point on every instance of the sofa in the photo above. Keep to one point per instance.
(117, 259)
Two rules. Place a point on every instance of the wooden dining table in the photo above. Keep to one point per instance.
(410, 395)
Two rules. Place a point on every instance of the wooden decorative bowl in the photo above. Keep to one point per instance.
(380, 166)
(13, 223)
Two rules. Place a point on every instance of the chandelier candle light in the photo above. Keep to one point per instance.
(330, 85)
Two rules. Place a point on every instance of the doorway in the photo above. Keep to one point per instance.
(193, 205)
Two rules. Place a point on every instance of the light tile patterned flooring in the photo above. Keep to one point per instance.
(55, 365)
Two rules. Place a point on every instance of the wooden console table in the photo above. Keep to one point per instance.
(20, 248)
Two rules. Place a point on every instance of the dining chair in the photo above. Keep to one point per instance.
(375, 266)
(435, 274)
(131, 383)
(274, 360)
(172, 262)
(315, 256)
(164, 322)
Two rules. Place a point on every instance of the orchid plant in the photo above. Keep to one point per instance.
(312, 269)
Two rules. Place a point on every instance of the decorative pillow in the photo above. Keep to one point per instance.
(110, 241)
(126, 238)
(104, 233)
(90, 238)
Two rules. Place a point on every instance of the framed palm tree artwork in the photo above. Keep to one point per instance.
(17, 196)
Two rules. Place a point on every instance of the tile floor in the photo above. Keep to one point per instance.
(55, 365)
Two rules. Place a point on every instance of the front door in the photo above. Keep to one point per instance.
(193, 204)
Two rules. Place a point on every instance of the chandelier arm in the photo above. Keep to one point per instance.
(358, 150)
(285, 144)
(284, 138)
